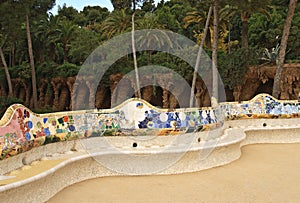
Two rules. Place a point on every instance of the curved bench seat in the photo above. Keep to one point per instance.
(136, 138)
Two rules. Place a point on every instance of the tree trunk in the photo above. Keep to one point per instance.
(244, 17)
(66, 50)
(199, 57)
(33, 75)
(215, 91)
(13, 55)
(134, 59)
(10, 91)
(134, 5)
(283, 45)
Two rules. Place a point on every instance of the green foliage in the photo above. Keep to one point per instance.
(6, 102)
(233, 66)
(51, 139)
(46, 69)
(265, 33)
(171, 14)
(148, 6)
(70, 36)
(62, 42)
(95, 13)
(271, 55)
(294, 37)
(69, 13)
(42, 110)
(121, 4)
(118, 22)
(21, 71)
(83, 45)
(67, 69)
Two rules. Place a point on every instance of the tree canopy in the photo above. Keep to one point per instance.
(61, 42)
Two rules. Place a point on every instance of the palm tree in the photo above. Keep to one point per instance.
(47, 32)
(245, 9)
(121, 4)
(283, 45)
(199, 18)
(154, 35)
(10, 91)
(67, 30)
(134, 59)
(31, 60)
(149, 21)
(116, 23)
(199, 56)
(215, 91)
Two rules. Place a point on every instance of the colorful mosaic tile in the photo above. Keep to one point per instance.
(23, 130)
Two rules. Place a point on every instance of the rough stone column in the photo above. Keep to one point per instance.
(70, 84)
(297, 89)
(172, 101)
(42, 89)
(200, 93)
(74, 95)
(115, 78)
(64, 98)
(101, 96)
(56, 84)
(92, 93)
(147, 93)
(165, 98)
(284, 89)
(237, 90)
(28, 94)
(199, 97)
(3, 92)
(163, 82)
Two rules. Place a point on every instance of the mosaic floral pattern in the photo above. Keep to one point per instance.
(24, 130)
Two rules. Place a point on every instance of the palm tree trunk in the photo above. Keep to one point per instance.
(199, 57)
(10, 92)
(134, 5)
(33, 75)
(283, 45)
(245, 28)
(134, 59)
(13, 55)
(215, 91)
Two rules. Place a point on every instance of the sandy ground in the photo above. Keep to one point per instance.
(264, 173)
(28, 171)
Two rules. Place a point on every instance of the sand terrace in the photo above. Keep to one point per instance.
(264, 173)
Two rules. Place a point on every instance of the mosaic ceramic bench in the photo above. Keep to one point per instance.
(21, 129)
